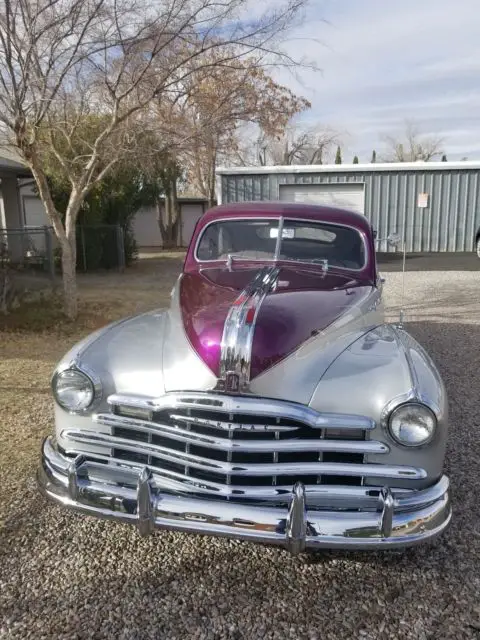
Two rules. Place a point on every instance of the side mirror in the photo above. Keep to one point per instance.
(394, 239)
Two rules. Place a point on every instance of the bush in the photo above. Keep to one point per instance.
(112, 202)
(97, 248)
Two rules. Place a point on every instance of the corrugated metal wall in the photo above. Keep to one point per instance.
(447, 224)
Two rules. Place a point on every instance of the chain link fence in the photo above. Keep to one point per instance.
(100, 247)
(28, 249)
(30, 258)
(36, 249)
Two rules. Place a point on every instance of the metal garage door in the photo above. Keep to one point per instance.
(191, 213)
(345, 195)
(35, 215)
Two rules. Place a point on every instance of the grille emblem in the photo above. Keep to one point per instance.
(232, 382)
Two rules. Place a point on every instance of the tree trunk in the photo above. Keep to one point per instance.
(176, 213)
(169, 220)
(69, 274)
(66, 233)
(211, 181)
(161, 225)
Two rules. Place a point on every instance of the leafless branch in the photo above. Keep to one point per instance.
(412, 146)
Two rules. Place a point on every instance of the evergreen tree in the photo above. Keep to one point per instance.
(374, 157)
(444, 158)
(338, 157)
(355, 159)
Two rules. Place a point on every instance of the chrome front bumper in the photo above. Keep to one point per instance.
(99, 490)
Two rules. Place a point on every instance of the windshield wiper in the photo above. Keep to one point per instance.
(320, 261)
(232, 256)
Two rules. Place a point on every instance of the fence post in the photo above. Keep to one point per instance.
(49, 251)
(84, 251)
(120, 247)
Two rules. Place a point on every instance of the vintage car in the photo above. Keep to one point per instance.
(270, 402)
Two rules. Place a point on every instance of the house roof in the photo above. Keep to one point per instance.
(11, 164)
(189, 199)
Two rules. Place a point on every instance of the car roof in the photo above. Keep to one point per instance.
(292, 210)
(273, 209)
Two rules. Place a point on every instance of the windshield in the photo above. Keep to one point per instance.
(305, 241)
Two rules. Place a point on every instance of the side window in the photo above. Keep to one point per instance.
(208, 247)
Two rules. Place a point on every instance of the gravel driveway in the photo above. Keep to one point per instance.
(65, 576)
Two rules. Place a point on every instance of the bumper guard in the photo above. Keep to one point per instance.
(398, 522)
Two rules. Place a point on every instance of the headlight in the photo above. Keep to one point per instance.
(412, 424)
(74, 390)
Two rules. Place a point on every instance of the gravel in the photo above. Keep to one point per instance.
(67, 576)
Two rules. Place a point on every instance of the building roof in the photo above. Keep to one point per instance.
(462, 165)
(12, 164)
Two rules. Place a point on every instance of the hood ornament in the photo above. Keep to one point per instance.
(238, 330)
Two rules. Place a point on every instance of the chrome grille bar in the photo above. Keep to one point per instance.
(237, 446)
(117, 470)
(229, 426)
(228, 444)
(257, 407)
(257, 469)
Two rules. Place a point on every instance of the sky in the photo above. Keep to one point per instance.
(385, 61)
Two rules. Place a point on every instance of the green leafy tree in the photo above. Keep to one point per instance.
(112, 201)
(355, 159)
(338, 156)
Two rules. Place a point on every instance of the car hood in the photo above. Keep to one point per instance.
(153, 353)
(303, 305)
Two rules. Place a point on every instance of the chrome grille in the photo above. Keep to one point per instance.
(236, 446)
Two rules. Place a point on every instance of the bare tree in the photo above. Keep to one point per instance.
(412, 146)
(220, 103)
(66, 62)
(297, 146)
(201, 128)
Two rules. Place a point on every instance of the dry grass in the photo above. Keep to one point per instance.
(103, 297)
(34, 337)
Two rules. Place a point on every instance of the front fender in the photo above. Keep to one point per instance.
(384, 365)
(144, 355)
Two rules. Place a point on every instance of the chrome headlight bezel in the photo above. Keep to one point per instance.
(392, 410)
(93, 381)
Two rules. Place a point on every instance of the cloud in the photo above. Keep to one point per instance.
(383, 62)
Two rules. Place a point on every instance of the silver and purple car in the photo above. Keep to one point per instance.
(270, 402)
